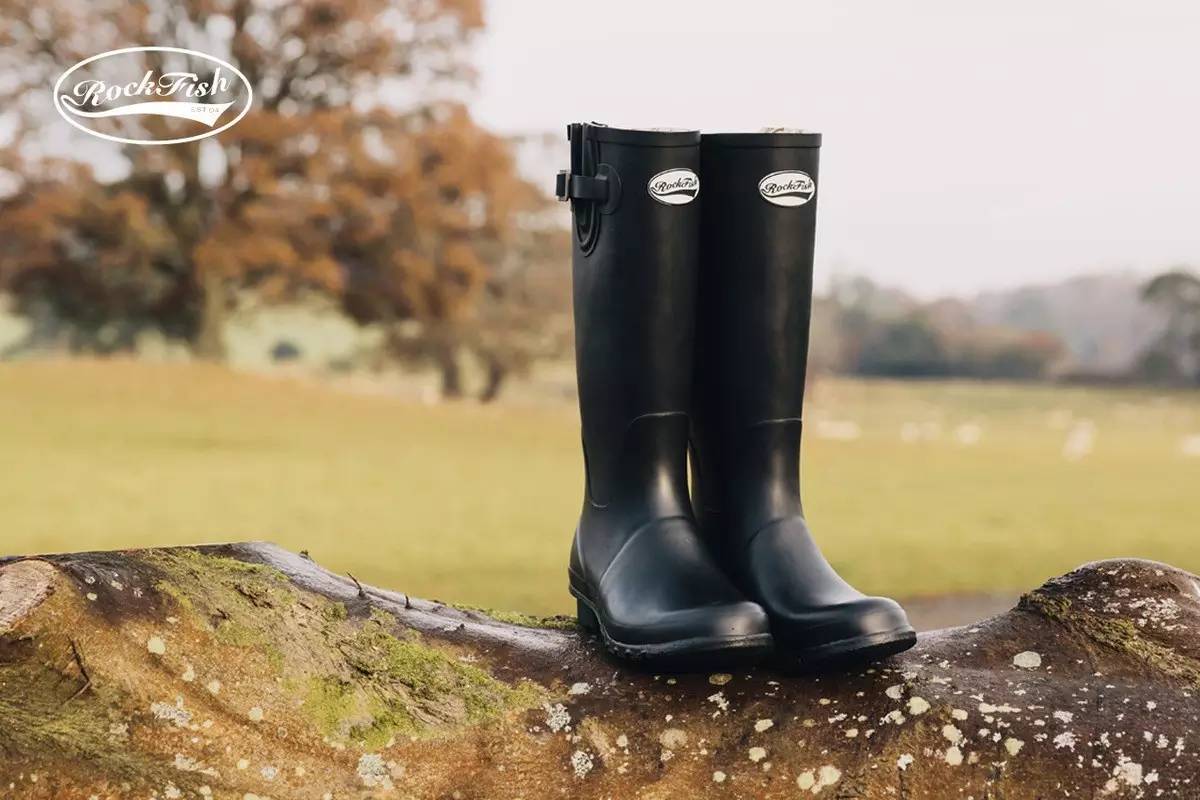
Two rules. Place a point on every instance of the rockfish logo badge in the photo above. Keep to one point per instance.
(787, 188)
(674, 187)
(99, 93)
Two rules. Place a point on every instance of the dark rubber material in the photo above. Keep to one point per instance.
(848, 652)
(684, 655)
(763, 139)
(755, 296)
(638, 565)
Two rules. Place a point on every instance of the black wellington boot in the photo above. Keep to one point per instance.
(643, 579)
(755, 296)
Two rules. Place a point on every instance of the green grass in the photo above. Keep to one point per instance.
(476, 504)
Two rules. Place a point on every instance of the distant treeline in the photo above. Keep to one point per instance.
(861, 328)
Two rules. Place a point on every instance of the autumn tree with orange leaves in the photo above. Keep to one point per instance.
(403, 210)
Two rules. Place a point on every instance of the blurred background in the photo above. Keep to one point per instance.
(343, 324)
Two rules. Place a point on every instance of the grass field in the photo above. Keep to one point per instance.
(913, 489)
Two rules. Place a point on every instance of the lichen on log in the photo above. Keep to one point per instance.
(245, 671)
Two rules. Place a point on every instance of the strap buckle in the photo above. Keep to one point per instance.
(581, 187)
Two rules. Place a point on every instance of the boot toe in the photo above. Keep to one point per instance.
(717, 637)
(728, 621)
(701, 626)
(813, 611)
(662, 599)
(859, 631)
(861, 618)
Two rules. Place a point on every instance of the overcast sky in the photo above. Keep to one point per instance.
(966, 147)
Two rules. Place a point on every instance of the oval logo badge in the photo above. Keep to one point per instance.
(201, 95)
(674, 187)
(787, 188)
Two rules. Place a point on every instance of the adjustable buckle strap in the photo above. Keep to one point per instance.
(593, 188)
(581, 187)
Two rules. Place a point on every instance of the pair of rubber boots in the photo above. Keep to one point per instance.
(691, 335)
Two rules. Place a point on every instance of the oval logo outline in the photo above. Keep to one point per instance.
(787, 188)
(677, 186)
(180, 140)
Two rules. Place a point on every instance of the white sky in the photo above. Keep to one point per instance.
(967, 145)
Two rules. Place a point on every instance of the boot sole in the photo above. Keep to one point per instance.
(849, 652)
(686, 655)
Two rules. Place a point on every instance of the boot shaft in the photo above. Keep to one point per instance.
(635, 220)
(754, 307)
(756, 263)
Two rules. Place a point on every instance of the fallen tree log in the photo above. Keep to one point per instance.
(245, 671)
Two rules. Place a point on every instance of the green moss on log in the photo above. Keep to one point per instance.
(407, 687)
(378, 680)
(1116, 633)
(554, 622)
(45, 710)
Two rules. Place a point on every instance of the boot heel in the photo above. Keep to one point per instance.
(587, 618)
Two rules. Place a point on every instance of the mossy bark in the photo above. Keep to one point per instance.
(245, 671)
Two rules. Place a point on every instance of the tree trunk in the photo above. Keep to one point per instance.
(244, 671)
(495, 376)
(210, 337)
(451, 375)
(445, 347)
